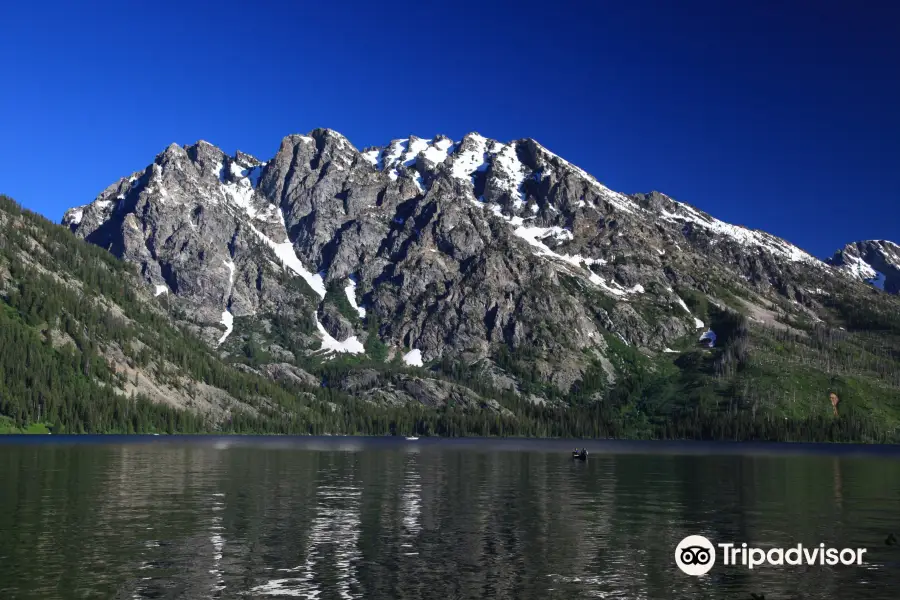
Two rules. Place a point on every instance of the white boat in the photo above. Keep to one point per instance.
(411, 438)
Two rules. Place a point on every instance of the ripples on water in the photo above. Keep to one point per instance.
(385, 519)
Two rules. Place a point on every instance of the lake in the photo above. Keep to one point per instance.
(385, 518)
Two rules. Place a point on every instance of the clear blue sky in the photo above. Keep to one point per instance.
(777, 115)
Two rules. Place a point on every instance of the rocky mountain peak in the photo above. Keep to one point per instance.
(654, 201)
(873, 261)
(246, 160)
(205, 154)
(329, 140)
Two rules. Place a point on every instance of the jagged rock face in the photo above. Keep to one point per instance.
(199, 230)
(874, 261)
(455, 248)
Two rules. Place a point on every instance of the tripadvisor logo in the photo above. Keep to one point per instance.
(696, 555)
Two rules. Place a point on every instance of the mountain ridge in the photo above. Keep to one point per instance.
(371, 152)
(473, 152)
(435, 253)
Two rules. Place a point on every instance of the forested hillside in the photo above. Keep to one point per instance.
(84, 347)
(80, 345)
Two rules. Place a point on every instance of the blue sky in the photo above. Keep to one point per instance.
(775, 115)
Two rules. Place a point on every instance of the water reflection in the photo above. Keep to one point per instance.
(351, 520)
(332, 551)
(411, 498)
(218, 542)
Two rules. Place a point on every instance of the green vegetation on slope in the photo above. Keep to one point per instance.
(7, 426)
(771, 383)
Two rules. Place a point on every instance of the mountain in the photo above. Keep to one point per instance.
(875, 262)
(86, 347)
(477, 275)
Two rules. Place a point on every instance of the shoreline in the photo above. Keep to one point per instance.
(360, 442)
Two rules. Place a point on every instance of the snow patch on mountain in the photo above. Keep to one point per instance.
(229, 264)
(414, 147)
(413, 358)
(156, 182)
(237, 171)
(395, 151)
(160, 289)
(746, 237)
(350, 290)
(439, 151)
(239, 187)
(612, 287)
(250, 174)
(285, 253)
(891, 252)
(75, 215)
(506, 162)
(351, 345)
(228, 322)
(375, 157)
(698, 324)
(342, 142)
(472, 155)
(876, 262)
(471, 160)
(535, 235)
(859, 268)
(405, 152)
(99, 207)
(241, 195)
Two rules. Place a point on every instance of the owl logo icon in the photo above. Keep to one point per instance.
(695, 555)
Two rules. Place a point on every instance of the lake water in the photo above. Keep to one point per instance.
(332, 518)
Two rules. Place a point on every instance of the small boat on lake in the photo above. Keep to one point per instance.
(411, 438)
(579, 455)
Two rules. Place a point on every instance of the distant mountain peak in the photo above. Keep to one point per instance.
(873, 261)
